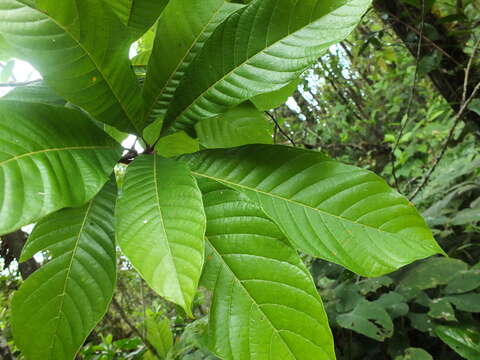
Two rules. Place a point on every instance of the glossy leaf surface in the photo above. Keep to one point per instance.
(161, 226)
(241, 125)
(337, 212)
(182, 31)
(261, 48)
(64, 162)
(81, 52)
(57, 307)
(465, 340)
(265, 304)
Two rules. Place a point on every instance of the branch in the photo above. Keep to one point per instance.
(277, 125)
(410, 99)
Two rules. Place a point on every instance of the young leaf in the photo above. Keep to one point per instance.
(62, 163)
(265, 304)
(57, 307)
(161, 225)
(261, 48)
(241, 125)
(337, 212)
(181, 37)
(176, 144)
(138, 15)
(160, 336)
(82, 54)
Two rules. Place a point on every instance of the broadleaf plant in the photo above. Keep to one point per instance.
(194, 208)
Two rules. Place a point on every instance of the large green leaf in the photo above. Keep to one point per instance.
(138, 15)
(57, 307)
(265, 304)
(241, 125)
(261, 48)
(182, 31)
(80, 48)
(161, 225)
(50, 157)
(337, 212)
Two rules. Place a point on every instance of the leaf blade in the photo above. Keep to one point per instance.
(265, 305)
(153, 231)
(261, 48)
(64, 162)
(325, 208)
(73, 290)
(81, 53)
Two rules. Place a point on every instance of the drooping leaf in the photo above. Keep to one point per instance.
(241, 125)
(137, 15)
(181, 33)
(465, 302)
(463, 282)
(368, 319)
(36, 92)
(337, 212)
(176, 144)
(276, 98)
(465, 340)
(57, 307)
(159, 335)
(428, 275)
(82, 54)
(261, 48)
(161, 226)
(265, 304)
(50, 157)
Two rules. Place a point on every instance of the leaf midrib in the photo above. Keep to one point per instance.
(245, 62)
(275, 330)
(32, 153)
(182, 60)
(67, 276)
(233, 184)
(97, 67)
(164, 230)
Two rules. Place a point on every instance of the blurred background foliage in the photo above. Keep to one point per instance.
(385, 99)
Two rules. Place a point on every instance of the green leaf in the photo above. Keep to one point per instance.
(7, 51)
(394, 303)
(161, 226)
(159, 335)
(415, 354)
(337, 212)
(176, 144)
(62, 163)
(428, 275)
(36, 92)
(442, 309)
(463, 282)
(60, 304)
(137, 15)
(368, 319)
(82, 54)
(465, 340)
(261, 48)
(241, 125)
(465, 302)
(265, 304)
(274, 99)
(181, 37)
